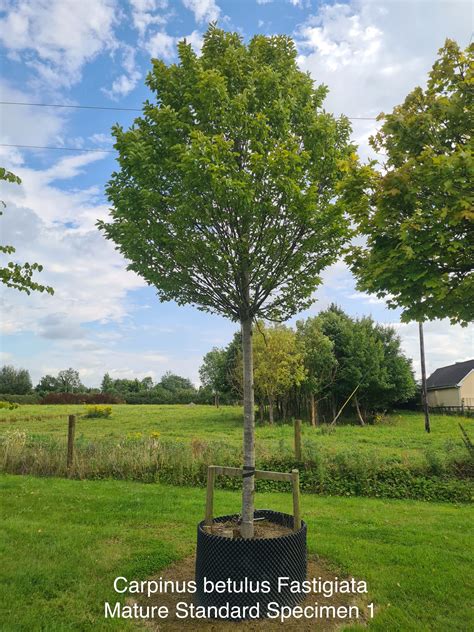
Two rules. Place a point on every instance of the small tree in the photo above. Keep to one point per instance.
(107, 384)
(17, 275)
(213, 372)
(278, 363)
(226, 197)
(47, 384)
(69, 381)
(14, 381)
(319, 361)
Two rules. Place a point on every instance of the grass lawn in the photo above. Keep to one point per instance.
(63, 542)
(403, 436)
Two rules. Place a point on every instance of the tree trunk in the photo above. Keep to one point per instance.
(260, 411)
(216, 400)
(248, 482)
(314, 414)
(359, 414)
(270, 411)
(424, 393)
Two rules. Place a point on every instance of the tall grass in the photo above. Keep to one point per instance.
(156, 459)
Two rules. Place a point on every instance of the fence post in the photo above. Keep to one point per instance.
(70, 441)
(295, 476)
(297, 425)
(211, 477)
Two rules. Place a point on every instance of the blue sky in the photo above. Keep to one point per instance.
(97, 52)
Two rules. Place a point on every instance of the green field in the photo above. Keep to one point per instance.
(402, 435)
(63, 542)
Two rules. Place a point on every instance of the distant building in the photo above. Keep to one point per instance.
(452, 385)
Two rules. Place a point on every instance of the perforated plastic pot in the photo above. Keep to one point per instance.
(219, 558)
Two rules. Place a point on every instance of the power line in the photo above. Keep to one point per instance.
(108, 151)
(76, 107)
(116, 109)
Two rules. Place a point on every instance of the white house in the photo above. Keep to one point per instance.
(452, 385)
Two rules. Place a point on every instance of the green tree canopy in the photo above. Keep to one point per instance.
(319, 361)
(226, 196)
(17, 275)
(14, 381)
(213, 372)
(278, 362)
(417, 213)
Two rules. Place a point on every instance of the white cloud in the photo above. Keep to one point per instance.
(62, 35)
(145, 13)
(126, 82)
(204, 10)
(371, 54)
(24, 125)
(57, 229)
(161, 45)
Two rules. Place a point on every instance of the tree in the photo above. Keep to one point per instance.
(107, 384)
(278, 362)
(14, 381)
(226, 196)
(69, 381)
(47, 384)
(16, 275)
(213, 372)
(319, 361)
(173, 382)
(417, 212)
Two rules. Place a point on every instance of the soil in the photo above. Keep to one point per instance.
(263, 529)
(184, 571)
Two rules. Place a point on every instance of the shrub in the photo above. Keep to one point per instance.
(81, 398)
(30, 398)
(9, 405)
(98, 411)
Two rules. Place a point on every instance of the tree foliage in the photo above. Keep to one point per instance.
(14, 274)
(227, 192)
(14, 381)
(417, 213)
(278, 362)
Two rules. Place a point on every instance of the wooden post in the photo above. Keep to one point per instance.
(295, 479)
(424, 393)
(211, 477)
(297, 425)
(70, 441)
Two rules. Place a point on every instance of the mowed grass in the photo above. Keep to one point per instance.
(63, 542)
(401, 436)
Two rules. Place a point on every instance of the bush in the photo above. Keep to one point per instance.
(30, 398)
(81, 398)
(98, 411)
(9, 405)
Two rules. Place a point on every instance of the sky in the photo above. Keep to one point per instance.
(97, 52)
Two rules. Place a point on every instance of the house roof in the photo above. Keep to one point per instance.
(450, 375)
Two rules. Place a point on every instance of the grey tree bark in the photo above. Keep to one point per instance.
(248, 491)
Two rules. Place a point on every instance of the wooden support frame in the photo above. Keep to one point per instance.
(292, 477)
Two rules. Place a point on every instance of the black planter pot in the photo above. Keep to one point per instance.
(260, 560)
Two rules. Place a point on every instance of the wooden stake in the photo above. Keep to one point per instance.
(211, 477)
(70, 441)
(424, 393)
(295, 476)
(297, 425)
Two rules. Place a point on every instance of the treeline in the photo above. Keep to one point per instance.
(329, 365)
(66, 388)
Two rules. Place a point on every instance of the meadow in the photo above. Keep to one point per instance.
(174, 445)
(400, 434)
(64, 542)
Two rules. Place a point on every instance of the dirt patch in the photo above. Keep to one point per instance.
(263, 529)
(184, 571)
